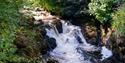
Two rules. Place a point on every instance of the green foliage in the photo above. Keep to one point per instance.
(102, 9)
(49, 5)
(119, 20)
(9, 18)
(9, 26)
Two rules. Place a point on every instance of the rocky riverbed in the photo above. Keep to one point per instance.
(45, 44)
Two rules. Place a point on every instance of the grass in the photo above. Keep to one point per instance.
(9, 27)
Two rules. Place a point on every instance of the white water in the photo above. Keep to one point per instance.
(67, 44)
(106, 53)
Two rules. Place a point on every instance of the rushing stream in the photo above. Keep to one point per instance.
(72, 46)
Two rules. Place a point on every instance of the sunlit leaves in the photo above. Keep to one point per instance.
(119, 20)
(101, 9)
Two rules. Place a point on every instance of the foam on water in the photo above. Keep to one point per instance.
(105, 52)
(68, 41)
(66, 52)
(67, 44)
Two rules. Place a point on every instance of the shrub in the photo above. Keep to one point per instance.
(102, 9)
(9, 27)
(49, 5)
(9, 18)
(119, 20)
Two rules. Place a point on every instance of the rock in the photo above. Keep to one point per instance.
(39, 9)
(79, 39)
(90, 34)
(92, 41)
(117, 44)
(58, 25)
(74, 8)
(51, 60)
(27, 44)
(42, 31)
(112, 59)
(69, 11)
(51, 43)
(47, 45)
(21, 41)
(38, 16)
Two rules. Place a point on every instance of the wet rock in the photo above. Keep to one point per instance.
(47, 45)
(42, 31)
(112, 59)
(33, 41)
(73, 8)
(52, 61)
(90, 33)
(95, 56)
(69, 11)
(117, 44)
(51, 43)
(76, 11)
(58, 25)
(79, 39)
(92, 41)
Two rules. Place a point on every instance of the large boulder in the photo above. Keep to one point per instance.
(118, 47)
(72, 9)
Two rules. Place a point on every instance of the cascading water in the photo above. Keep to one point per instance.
(72, 46)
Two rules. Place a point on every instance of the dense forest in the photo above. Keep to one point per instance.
(23, 36)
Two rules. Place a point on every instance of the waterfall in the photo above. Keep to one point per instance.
(71, 45)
